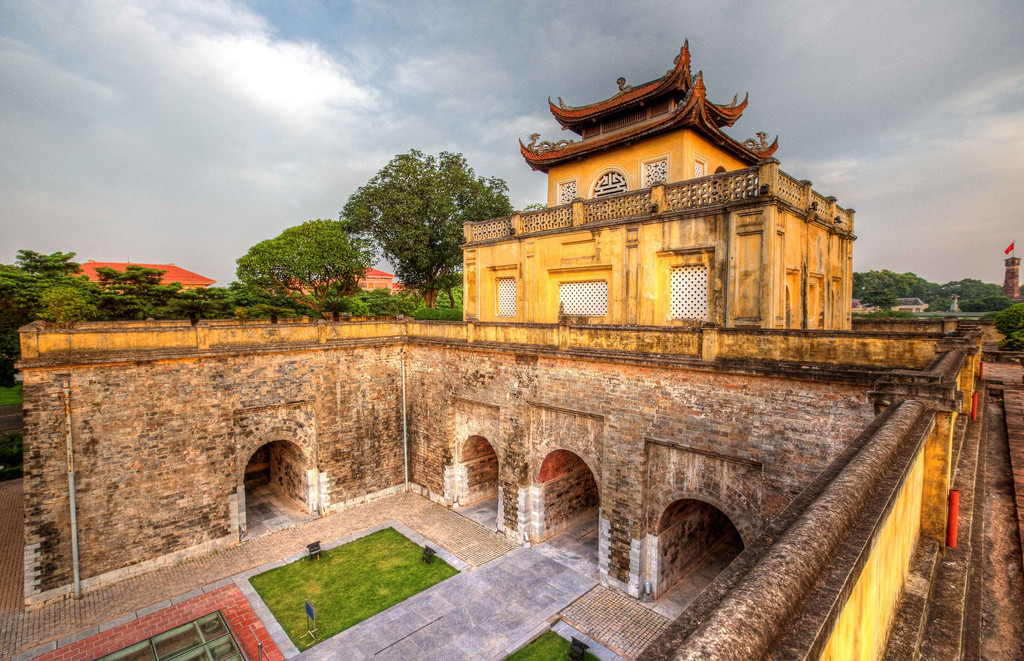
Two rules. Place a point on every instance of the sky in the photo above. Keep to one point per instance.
(186, 131)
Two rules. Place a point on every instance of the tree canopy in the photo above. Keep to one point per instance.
(878, 288)
(414, 209)
(309, 263)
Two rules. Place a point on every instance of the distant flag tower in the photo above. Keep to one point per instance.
(1011, 281)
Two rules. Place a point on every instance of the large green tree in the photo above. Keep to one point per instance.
(138, 292)
(309, 263)
(414, 209)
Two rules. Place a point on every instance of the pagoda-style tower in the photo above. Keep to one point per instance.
(641, 131)
(656, 216)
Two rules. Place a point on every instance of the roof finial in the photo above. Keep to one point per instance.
(698, 84)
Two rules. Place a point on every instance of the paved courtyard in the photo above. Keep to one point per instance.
(266, 510)
(484, 512)
(504, 596)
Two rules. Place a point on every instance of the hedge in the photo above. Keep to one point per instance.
(438, 314)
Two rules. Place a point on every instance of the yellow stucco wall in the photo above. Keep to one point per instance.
(681, 149)
(752, 255)
(861, 631)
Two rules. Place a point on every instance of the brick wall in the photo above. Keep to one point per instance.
(688, 533)
(288, 470)
(481, 465)
(568, 489)
(161, 447)
(752, 441)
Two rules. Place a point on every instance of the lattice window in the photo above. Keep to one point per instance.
(584, 298)
(655, 173)
(506, 297)
(566, 192)
(700, 168)
(610, 183)
(690, 292)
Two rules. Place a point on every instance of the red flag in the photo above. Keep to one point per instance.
(1010, 249)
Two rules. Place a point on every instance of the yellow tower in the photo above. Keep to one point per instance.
(656, 216)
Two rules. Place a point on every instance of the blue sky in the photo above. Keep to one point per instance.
(187, 131)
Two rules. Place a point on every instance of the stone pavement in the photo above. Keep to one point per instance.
(12, 550)
(268, 511)
(615, 620)
(24, 630)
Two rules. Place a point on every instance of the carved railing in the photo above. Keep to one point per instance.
(790, 190)
(764, 179)
(709, 191)
(546, 219)
(623, 205)
(495, 228)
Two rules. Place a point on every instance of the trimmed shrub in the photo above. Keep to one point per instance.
(438, 314)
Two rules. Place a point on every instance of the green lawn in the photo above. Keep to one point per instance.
(348, 584)
(10, 396)
(549, 647)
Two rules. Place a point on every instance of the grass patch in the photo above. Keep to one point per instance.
(348, 584)
(549, 647)
(10, 396)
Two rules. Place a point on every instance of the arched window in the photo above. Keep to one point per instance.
(610, 183)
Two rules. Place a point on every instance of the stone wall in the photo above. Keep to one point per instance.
(750, 441)
(568, 491)
(688, 533)
(160, 449)
(480, 466)
(288, 471)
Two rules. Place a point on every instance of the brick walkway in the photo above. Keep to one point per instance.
(12, 551)
(615, 620)
(1013, 401)
(246, 627)
(20, 631)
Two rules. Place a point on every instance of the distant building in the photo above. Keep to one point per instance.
(375, 279)
(857, 305)
(910, 305)
(172, 273)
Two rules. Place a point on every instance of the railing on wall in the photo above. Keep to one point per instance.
(750, 183)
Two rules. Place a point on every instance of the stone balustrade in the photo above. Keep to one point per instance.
(761, 182)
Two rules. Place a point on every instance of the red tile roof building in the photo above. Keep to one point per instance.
(375, 279)
(188, 279)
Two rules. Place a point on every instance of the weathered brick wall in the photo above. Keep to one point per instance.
(569, 490)
(161, 447)
(762, 437)
(481, 464)
(288, 471)
(689, 532)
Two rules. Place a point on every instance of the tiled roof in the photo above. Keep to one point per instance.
(375, 273)
(909, 301)
(173, 273)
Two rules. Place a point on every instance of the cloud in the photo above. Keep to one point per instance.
(187, 131)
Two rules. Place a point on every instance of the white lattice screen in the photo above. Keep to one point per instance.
(566, 192)
(610, 183)
(584, 298)
(506, 297)
(655, 173)
(690, 292)
(699, 169)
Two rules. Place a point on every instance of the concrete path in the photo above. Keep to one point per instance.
(481, 614)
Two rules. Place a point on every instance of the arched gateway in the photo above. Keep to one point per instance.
(693, 542)
(277, 488)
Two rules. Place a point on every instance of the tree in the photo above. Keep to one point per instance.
(308, 263)
(879, 296)
(137, 292)
(414, 209)
(1010, 323)
(65, 305)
